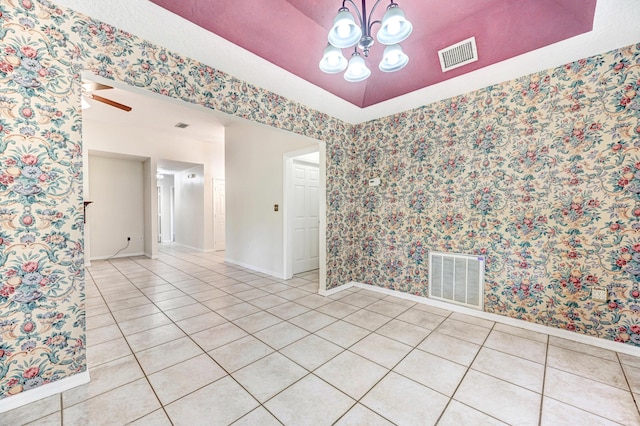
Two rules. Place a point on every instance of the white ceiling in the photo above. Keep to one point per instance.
(616, 25)
(155, 112)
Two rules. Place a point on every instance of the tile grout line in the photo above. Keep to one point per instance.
(201, 387)
(176, 264)
(464, 376)
(207, 353)
(544, 381)
(132, 353)
(402, 359)
(230, 374)
(147, 377)
(360, 309)
(626, 378)
(311, 372)
(414, 347)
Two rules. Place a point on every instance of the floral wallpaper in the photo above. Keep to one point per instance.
(41, 261)
(541, 175)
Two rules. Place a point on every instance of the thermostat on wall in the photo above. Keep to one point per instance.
(374, 181)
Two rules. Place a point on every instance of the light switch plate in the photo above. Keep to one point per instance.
(599, 294)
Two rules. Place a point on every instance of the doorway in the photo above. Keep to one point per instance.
(304, 211)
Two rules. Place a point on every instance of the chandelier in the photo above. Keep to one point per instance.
(346, 32)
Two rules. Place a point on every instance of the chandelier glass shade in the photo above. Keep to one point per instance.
(333, 61)
(357, 70)
(393, 59)
(347, 32)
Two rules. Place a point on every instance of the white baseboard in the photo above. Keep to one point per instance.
(198, 249)
(43, 391)
(279, 275)
(551, 331)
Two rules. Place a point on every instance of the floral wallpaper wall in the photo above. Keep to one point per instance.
(41, 260)
(540, 174)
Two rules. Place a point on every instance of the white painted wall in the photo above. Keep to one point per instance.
(189, 220)
(117, 212)
(133, 141)
(254, 183)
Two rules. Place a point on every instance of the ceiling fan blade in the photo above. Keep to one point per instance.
(90, 86)
(110, 102)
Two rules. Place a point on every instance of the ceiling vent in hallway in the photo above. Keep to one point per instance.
(459, 54)
(180, 125)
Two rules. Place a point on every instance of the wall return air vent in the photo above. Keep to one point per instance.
(457, 278)
(458, 54)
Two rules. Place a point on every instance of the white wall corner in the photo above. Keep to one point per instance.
(335, 290)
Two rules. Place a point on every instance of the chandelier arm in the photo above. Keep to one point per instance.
(377, 21)
(373, 9)
(368, 25)
(360, 18)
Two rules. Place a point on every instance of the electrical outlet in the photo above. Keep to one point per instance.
(599, 294)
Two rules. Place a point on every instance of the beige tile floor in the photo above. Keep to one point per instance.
(188, 340)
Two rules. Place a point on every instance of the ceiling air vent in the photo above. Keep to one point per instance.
(181, 125)
(458, 54)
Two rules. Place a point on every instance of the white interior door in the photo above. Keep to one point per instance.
(306, 178)
(218, 215)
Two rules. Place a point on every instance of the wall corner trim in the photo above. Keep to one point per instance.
(44, 391)
(336, 290)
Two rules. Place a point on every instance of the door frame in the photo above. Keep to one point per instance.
(287, 215)
(215, 234)
(160, 212)
(172, 212)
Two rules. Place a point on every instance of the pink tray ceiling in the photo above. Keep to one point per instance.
(293, 33)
